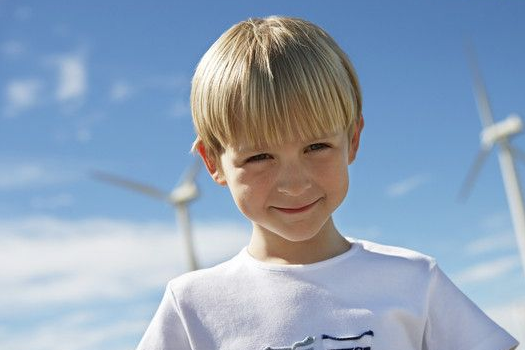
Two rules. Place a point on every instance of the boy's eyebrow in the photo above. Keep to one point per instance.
(324, 136)
(249, 149)
(261, 148)
(321, 137)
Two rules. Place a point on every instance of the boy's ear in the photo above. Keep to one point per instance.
(211, 165)
(354, 141)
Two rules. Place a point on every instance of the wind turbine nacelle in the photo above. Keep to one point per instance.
(504, 129)
(185, 193)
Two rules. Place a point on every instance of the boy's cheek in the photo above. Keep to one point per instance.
(255, 176)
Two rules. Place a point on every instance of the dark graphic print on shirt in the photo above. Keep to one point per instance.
(362, 341)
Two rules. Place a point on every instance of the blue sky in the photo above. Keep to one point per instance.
(105, 85)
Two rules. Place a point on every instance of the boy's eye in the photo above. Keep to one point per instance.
(258, 157)
(317, 147)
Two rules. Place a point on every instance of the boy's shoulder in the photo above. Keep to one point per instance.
(394, 251)
(199, 281)
(395, 256)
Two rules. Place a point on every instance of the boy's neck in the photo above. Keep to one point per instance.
(269, 247)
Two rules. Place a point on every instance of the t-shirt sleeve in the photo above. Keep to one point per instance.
(455, 322)
(166, 331)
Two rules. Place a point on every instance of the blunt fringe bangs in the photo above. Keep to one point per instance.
(266, 81)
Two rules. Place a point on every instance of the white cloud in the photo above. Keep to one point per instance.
(406, 186)
(181, 109)
(83, 135)
(487, 270)
(46, 260)
(21, 175)
(491, 243)
(81, 128)
(52, 202)
(497, 221)
(21, 95)
(89, 266)
(12, 49)
(179, 85)
(121, 91)
(72, 81)
(85, 126)
(17, 175)
(80, 330)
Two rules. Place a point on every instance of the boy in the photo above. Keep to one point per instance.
(277, 110)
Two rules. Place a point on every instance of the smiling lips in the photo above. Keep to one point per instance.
(297, 210)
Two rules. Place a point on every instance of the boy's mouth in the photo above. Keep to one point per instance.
(297, 209)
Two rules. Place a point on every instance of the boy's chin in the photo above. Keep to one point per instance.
(299, 236)
(298, 232)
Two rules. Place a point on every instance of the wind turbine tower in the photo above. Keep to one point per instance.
(179, 197)
(499, 133)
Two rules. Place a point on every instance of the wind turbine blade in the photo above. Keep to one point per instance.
(191, 173)
(130, 184)
(473, 173)
(480, 92)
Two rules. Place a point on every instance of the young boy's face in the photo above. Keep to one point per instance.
(290, 190)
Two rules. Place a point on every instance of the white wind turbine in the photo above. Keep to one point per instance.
(179, 197)
(498, 133)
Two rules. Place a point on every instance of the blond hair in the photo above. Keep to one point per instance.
(269, 80)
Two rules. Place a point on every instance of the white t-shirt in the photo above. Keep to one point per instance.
(372, 297)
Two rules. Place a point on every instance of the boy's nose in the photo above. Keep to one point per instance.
(293, 180)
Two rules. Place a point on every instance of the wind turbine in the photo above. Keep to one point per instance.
(498, 133)
(179, 197)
